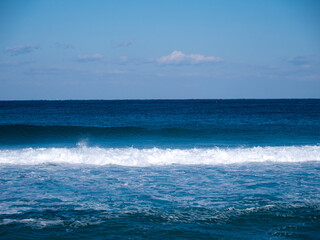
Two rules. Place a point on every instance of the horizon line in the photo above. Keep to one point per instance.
(155, 99)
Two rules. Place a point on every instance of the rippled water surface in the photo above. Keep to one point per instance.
(264, 200)
(188, 169)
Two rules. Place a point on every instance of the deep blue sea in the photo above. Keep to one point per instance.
(160, 169)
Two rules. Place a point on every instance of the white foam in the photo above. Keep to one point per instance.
(156, 156)
(39, 223)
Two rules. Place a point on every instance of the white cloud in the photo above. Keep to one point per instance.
(11, 64)
(64, 45)
(300, 61)
(18, 50)
(48, 70)
(89, 58)
(116, 72)
(123, 59)
(123, 44)
(178, 57)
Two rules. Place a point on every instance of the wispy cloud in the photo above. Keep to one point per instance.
(64, 46)
(300, 60)
(89, 58)
(47, 70)
(116, 72)
(55, 70)
(12, 64)
(178, 57)
(123, 44)
(18, 50)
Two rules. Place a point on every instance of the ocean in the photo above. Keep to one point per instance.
(160, 169)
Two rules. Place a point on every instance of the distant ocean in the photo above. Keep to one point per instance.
(160, 169)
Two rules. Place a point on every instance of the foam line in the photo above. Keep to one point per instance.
(156, 156)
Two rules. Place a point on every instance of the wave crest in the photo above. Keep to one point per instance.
(156, 156)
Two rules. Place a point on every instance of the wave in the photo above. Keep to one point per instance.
(157, 157)
(26, 134)
(124, 136)
(34, 131)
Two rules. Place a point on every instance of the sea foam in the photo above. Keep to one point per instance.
(157, 156)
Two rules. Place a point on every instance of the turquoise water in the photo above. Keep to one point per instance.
(186, 169)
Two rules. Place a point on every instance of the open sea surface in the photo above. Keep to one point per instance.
(160, 169)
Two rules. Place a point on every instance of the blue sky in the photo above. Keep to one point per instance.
(159, 49)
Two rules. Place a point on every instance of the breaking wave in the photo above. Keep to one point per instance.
(156, 156)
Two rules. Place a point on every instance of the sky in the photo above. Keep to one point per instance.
(169, 49)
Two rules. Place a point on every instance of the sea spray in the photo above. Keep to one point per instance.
(156, 156)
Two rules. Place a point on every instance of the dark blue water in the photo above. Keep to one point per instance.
(160, 169)
(161, 123)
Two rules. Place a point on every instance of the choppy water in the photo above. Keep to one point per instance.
(188, 169)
